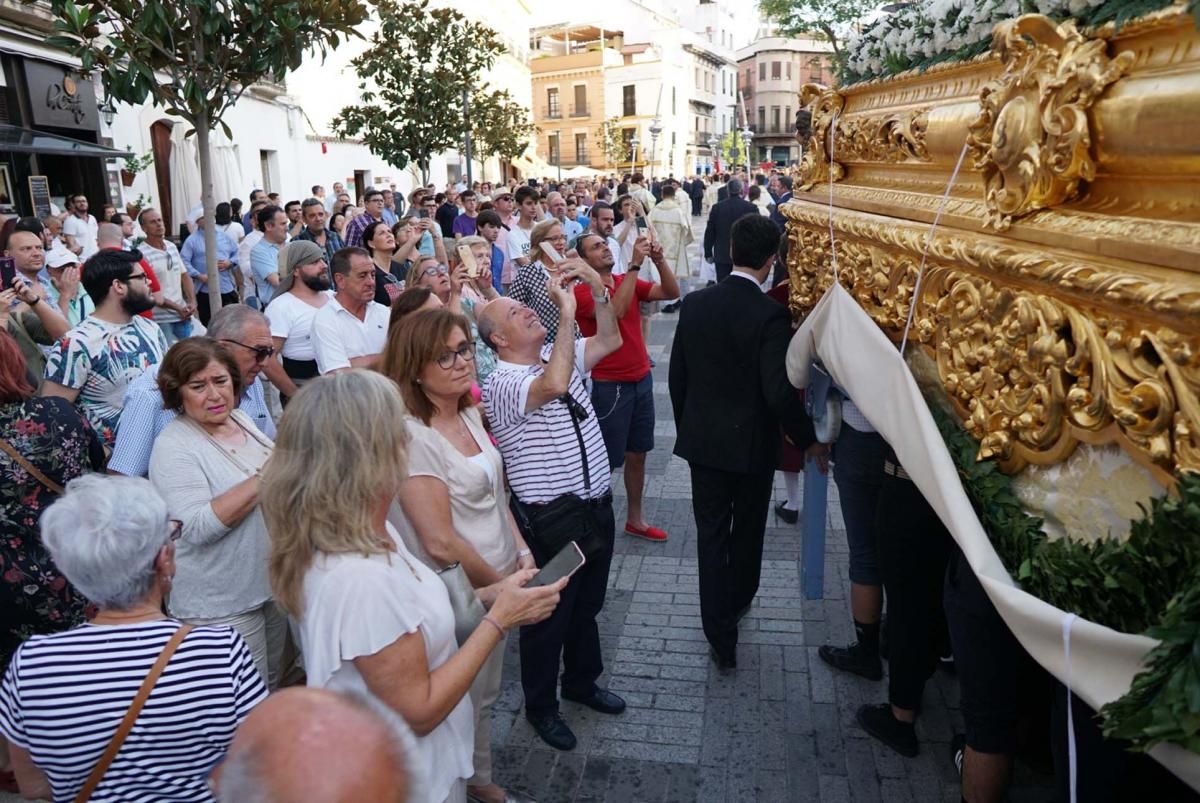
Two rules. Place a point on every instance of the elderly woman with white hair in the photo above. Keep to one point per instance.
(66, 695)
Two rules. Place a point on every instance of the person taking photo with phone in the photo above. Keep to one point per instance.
(553, 449)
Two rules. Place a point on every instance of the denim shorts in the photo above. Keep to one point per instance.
(858, 471)
(625, 411)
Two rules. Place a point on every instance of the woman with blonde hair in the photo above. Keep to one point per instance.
(462, 294)
(374, 618)
(529, 286)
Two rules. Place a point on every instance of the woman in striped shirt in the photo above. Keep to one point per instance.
(65, 694)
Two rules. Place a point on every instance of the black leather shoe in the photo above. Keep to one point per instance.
(600, 700)
(552, 729)
(725, 663)
(786, 513)
(879, 721)
(852, 659)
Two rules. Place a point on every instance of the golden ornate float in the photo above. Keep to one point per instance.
(1061, 294)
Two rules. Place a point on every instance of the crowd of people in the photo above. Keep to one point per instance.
(345, 472)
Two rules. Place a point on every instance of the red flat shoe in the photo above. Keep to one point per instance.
(649, 533)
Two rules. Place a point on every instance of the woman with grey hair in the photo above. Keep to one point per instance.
(113, 539)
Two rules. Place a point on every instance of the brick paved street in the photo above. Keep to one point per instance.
(780, 729)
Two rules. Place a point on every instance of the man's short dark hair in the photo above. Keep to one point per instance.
(466, 195)
(755, 192)
(308, 203)
(287, 207)
(342, 259)
(668, 190)
(600, 206)
(489, 217)
(103, 268)
(317, 188)
(440, 198)
(753, 240)
(638, 178)
(371, 193)
(266, 215)
(524, 193)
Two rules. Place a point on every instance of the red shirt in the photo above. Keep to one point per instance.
(630, 363)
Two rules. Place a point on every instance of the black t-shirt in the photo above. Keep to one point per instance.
(393, 280)
(445, 215)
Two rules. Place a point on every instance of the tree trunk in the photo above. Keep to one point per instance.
(210, 206)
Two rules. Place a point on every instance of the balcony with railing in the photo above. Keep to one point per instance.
(552, 112)
(580, 110)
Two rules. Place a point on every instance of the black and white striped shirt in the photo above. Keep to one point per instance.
(540, 448)
(65, 694)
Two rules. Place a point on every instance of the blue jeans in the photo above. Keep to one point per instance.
(176, 330)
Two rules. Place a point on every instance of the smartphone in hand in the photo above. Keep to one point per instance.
(551, 252)
(8, 272)
(568, 561)
(467, 257)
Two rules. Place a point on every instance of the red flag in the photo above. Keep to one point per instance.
(716, 164)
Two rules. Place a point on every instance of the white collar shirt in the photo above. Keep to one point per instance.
(338, 336)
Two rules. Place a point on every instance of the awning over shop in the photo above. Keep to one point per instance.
(25, 140)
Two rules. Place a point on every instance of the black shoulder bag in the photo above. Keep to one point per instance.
(551, 526)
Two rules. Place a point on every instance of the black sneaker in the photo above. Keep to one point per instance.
(786, 513)
(878, 721)
(553, 730)
(853, 659)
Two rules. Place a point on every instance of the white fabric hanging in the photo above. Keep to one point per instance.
(185, 176)
(863, 361)
(226, 170)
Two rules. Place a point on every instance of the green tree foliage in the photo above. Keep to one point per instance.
(732, 149)
(195, 58)
(411, 84)
(611, 142)
(831, 20)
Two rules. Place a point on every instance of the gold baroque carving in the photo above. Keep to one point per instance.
(1032, 138)
(894, 137)
(815, 165)
(1031, 374)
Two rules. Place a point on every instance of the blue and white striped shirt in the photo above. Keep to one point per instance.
(143, 417)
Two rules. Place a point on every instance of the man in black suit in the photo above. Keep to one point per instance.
(730, 394)
(695, 191)
(781, 192)
(720, 223)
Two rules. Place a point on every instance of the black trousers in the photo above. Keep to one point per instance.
(723, 270)
(571, 633)
(914, 548)
(731, 514)
(696, 206)
(203, 309)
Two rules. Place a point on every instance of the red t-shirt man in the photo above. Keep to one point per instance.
(630, 363)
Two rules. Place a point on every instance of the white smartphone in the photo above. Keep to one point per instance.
(568, 561)
(467, 256)
(551, 252)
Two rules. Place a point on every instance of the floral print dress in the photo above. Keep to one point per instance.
(52, 435)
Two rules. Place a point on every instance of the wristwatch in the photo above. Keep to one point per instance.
(34, 303)
(604, 299)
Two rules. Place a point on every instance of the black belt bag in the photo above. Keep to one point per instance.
(551, 526)
(300, 369)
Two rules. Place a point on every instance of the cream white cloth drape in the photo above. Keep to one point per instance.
(185, 176)
(863, 361)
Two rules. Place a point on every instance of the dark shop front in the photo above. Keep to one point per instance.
(50, 143)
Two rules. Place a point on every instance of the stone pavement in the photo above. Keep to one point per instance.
(781, 728)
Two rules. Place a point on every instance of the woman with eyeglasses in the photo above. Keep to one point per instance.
(113, 539)
(454, 499)
(206, 464)
(389, 274)
(529, 286)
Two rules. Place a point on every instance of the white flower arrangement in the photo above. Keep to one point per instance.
(930, 32)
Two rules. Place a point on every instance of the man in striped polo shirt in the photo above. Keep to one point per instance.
(544, 423)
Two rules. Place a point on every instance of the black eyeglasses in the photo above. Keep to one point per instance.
(176, 529)
(261, 353)
(133, 276)
(435, 270)
(578, 410)
(466, 351)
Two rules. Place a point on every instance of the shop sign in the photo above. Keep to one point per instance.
(60, 98)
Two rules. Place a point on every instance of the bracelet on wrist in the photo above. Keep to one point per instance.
(523, 553)
(496, 625)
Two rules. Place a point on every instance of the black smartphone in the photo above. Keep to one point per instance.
(568, 561)
(8, 272)
(422, 213)
(641, 222)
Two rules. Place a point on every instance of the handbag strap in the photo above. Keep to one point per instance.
(135, 708)
(569, 400)
(33, 470)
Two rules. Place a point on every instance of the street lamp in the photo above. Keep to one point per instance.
(747, 136)
(108, 111)
(655, 130)
(634, 142)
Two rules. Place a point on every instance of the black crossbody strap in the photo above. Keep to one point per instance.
(587, 475)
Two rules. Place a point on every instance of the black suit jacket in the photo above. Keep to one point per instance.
(720, 221)
(729, 387)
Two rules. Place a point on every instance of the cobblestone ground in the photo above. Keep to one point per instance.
(781, 728)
